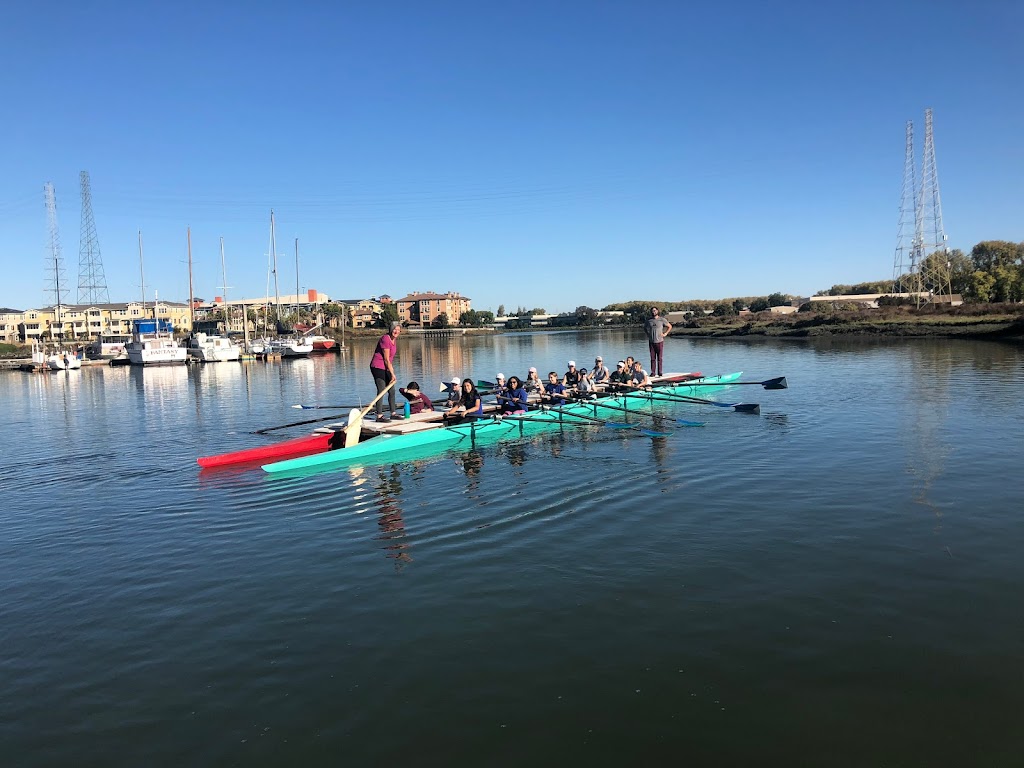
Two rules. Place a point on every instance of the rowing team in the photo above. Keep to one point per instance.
(466, 403)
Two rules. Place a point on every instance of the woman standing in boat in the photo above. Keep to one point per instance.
(382, 366)
(470, 405)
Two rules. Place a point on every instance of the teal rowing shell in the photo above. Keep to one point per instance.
(388, 447)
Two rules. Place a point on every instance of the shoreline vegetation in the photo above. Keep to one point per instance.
(977, 321)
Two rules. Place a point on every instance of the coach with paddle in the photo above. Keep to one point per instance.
(382, 366)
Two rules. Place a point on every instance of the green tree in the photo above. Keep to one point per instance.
(585, 315)
(486, 317)
(441, 321)
(760, 305)
(501, 310)
(739, 305)
(388, 315)
(537, 311)
(989, 254)
(982, 285)
(777, 300)
(723, 310)
(470, 318)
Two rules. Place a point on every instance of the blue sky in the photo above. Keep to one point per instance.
(543, 154)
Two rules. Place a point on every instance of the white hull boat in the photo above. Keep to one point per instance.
(212, 349)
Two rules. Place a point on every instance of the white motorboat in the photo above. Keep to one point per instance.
(294, 347)
(153, 344)
(108, 346)
(212, 348)
(62, 360)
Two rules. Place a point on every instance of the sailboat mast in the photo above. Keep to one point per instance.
(273, 254)
(296, 279)
(224, 287)
(191, 295)
(142, 277)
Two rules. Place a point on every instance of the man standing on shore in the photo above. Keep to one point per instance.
(657, 328)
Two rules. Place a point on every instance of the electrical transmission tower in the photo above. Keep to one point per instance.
(933, 267)
(92, 283)
(54, 259)
(921, 265)
(906, 236)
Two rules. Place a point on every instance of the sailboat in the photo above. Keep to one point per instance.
(285, 346)
(152, 340)
(60, 359)
(211, 347)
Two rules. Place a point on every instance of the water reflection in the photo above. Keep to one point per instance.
(390, 520)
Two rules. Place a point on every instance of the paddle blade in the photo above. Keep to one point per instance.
(298, 406)
(353, 428)
(779, 383)
(684, 423)
(747, 408)
(485, 384)
(652, 433)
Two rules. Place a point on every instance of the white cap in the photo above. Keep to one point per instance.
(532, 369)
(455, 379)
(572, 363)
(500, 376)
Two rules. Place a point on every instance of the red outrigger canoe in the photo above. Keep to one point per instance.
(300, 446)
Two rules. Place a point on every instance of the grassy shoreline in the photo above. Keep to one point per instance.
(1003, 322)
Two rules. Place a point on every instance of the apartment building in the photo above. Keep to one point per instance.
(421, 309)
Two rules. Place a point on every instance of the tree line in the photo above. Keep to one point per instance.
(992, 273)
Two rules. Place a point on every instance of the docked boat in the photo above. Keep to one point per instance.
(290, 347)
(63, 360)
(153, 343)
(108, 346)
(211, 348)
(322, 343)
(426, 432)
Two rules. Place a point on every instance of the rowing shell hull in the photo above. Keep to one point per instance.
(297, 447)
(375, 448)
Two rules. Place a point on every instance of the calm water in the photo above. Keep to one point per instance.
(836, 582)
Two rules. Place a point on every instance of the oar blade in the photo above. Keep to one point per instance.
(619, 425)
(779, 383)
(684, 423)
(485, 384)
(747, 408)
(653, 433)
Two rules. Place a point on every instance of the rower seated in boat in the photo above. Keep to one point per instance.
(554, 390)
(470, 406)
(454, 392)
(515, 399)
(533, 383)
(639, 377)
(572, 376)
(585, 388)
(619, 376)
(599, 373)
(418, 402)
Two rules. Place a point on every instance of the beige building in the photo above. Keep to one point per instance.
(86, 321)
(420, 309)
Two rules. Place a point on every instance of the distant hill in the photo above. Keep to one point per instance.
(9, 311)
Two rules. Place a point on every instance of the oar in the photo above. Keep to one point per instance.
(606, 423)
(324, 407)
(295, 424)
(355, 418)
(600, 404)
(777, 383)
(739, 407)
